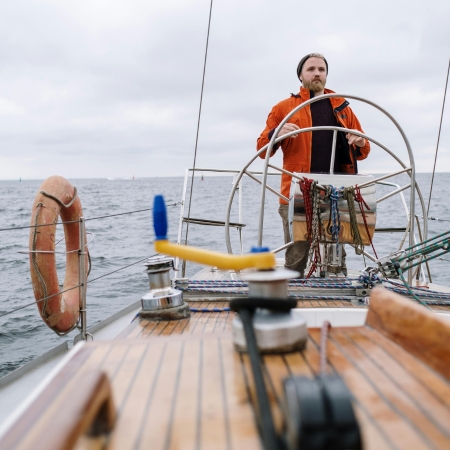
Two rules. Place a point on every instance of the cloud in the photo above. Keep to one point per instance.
(112, 88)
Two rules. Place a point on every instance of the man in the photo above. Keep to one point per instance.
(311, 152)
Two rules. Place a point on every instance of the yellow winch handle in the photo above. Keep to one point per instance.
(264, 260)
(260, 260)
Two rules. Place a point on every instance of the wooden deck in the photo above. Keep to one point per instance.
(181, 385)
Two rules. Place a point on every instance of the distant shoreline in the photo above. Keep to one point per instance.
(176, 176)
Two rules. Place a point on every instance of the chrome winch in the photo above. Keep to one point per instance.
(162, 302)
(275, 330)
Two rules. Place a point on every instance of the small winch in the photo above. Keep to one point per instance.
(162, 302)
(275, 330)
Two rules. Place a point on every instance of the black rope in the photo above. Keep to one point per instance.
(270, 439)
(198, 130)
(274, 304)
(246, 307)
(57, 200)
(439, 136)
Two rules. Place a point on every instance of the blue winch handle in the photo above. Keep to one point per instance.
(160, 218)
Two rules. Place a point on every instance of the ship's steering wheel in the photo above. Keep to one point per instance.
(409, 169)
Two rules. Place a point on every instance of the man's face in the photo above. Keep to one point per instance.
(314, 74)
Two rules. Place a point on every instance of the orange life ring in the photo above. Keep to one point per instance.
(56, 197)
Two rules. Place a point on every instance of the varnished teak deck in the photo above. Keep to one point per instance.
(181, 384)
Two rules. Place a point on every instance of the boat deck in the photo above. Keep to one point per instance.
(181, 384)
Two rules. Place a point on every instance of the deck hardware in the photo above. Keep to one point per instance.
(414, 255)
(82, 278)
(161, 295)
(318, 411)
(246, 309)
(368, 279)
(275, 331)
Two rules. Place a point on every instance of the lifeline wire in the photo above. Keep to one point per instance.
(131, 212)
(121, 268)
(198, 125)
(439, 136)
(91, 218)
(41, 300)
(435, 218)
(62, 292)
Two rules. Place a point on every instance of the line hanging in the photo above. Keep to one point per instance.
(439, 136)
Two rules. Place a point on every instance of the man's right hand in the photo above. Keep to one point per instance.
(288, 128)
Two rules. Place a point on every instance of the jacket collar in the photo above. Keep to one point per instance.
(335, 102)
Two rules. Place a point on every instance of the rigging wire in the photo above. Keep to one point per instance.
(198, 130)
(38, 301)
(436, 218)
(121, 268)
(75, 287)
(439, 136)
(91, 218)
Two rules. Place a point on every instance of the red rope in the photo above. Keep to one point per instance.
(362, 203)
(305, 186)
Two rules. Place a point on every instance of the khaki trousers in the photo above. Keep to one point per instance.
(296, 255)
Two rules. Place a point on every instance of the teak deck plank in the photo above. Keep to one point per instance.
(390, 422)
(417, 369)
(425, 401)
(184, 430)
(156, 426)
(132, 407)
(397, 399)
(276, 371)
(312, 355)
(181, 384)
(243, 431)
(213, 410)
(303, 304)
(297, 365)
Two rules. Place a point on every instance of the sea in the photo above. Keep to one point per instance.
(121, 235)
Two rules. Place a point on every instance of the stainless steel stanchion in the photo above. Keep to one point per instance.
(82, 277)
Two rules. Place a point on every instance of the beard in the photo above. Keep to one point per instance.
(314, 85)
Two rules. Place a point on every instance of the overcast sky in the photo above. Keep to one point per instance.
(97, 88)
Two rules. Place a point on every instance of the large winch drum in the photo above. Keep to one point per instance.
(297, 217)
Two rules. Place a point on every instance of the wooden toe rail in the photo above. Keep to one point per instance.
(65, 410)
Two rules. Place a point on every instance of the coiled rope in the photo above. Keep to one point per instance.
(364, 281)
(362, 204)
(305, 187)
(317, 229)
(334, 226)
(349, 195)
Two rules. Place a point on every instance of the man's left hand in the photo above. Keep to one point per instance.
(357, 140)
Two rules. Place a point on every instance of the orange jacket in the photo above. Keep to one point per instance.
(297, 152)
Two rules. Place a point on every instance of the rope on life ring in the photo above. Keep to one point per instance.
(56, 197)
(57, 200)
